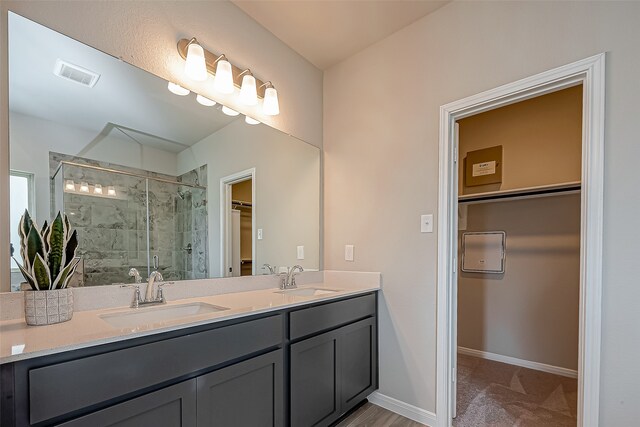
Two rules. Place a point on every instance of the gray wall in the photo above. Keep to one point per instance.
(531, 311)
(381, 137)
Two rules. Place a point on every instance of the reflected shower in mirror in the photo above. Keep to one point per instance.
(151, 180)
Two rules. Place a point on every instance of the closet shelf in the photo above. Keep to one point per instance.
(522, 193)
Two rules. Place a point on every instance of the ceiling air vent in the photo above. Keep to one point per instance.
(75, 73)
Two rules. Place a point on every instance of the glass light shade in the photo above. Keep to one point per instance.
(248, 92)
(70, 185)
(177, 89)
(205, 101)
(228, 111)
(97, 189)
(251, 121)
(195, 67)
(223, 82)
(271, 106)
(84, 187)
(111, 190)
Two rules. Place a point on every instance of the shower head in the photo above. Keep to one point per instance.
(183, 194)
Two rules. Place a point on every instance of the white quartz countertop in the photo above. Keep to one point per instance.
(18, 341)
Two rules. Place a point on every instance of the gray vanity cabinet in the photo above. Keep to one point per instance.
(247, 394)
(174, 406)
(332, 372)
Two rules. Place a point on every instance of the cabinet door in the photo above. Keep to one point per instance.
(314, 381)
(249, 393)
(173, 406)
(358, 362)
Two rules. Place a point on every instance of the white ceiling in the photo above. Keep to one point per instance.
(326, 32)
(125, 98)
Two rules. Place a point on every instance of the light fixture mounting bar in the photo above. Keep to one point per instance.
(210, 60)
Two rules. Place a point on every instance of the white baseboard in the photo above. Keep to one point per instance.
(406, 410)
(565, 372)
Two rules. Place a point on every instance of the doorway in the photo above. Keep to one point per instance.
(590, 74)
(238, 224)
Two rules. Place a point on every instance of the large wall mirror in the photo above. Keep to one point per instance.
(150, 179)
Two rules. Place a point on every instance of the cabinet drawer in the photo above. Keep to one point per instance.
(331, 315)
(173, 406)
(59, 389)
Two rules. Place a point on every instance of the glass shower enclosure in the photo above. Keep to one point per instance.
(128, 220)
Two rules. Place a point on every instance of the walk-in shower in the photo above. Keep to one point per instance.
(130, 219)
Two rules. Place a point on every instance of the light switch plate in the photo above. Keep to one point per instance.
(348, 252)
(300, 252)
(426, 223)
(259, 233)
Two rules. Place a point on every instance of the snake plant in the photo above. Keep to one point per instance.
(48, 253)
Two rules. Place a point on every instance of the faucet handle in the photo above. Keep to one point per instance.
(137, 298)
(160, 295)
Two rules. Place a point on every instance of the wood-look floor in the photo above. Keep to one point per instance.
(370, 415)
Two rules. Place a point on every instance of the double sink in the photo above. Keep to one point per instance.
(135, 317)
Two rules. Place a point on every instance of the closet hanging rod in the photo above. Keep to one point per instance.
(241, 203)
(519, 194)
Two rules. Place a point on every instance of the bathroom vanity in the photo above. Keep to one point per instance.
(306, 364)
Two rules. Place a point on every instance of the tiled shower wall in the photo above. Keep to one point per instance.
(113, 230)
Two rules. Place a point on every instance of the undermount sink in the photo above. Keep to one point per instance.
(308, 292)
(141, 316)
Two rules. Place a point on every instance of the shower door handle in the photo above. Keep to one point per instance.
(156, 262)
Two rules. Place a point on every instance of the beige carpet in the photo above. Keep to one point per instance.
(500, 395)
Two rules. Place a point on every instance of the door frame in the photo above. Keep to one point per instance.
(589, 72)
(225, 217)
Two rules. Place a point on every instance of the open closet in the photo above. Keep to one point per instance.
(519, 262)
(241, 228)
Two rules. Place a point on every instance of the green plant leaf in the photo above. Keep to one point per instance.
(72, 246)
(40, 273)
(56, 246)
(44, 232)
(66, 273)
(34, 245)
(26, 275)
(75, 262)
(67, 227)
(25, 224)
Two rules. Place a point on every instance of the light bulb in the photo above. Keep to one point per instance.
(111, 190)
(84, 187)
(205, 101)
(97, 189)
(228, 111)
(248, 93)
(251, 121)
(70, 185)
(223, 81)
(177, 89)
(195, 66)
(270, 106)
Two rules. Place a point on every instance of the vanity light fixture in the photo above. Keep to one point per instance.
(248, 91)
(177, 89)
(97, 189)
(205, 101)
(111, 190)
(70, 185)
(251, 121)
(228, 111)
(84, 187)
(270, 107)
(195, 66)
(227, 77)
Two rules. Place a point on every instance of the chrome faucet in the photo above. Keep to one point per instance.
(289, 278)
(153, 277)
(271, 268)
(135, 274)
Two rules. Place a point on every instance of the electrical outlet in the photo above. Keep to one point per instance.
(259, 233)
